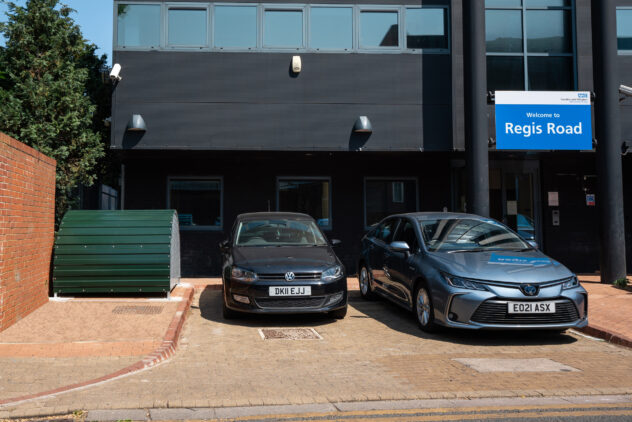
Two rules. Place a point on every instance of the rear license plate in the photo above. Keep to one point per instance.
(531, 308)
(290, 291)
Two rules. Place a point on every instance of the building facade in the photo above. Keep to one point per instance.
(228, 126)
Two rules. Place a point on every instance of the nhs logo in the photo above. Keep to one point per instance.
(582, 95)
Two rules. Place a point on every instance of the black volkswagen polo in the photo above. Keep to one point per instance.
(278, 262)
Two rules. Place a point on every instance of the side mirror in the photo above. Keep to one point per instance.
(533, 243)
(335, 242)
(400, 247)
(223, 246)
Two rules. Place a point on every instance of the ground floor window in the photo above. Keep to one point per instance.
(197, 200)
(384, 197)
(311, 196)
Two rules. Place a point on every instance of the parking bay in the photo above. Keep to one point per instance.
(375, 353)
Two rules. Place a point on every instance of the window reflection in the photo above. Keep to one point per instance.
(187, 27)
(503, 31)
(426, 28)
(549, 31)
(386, 197)
(138, 25)
(235, 26)
(283, 28)
(551, 73)
(624, 29)
(379, 29)
(331, 28)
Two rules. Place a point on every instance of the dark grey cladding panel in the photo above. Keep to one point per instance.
(265, 78)
(233, 126)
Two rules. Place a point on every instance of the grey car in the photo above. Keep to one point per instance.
(466, 271)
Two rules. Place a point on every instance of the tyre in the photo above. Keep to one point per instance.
(364, 279)
(228, 313)
(339, 313)
(424, 311)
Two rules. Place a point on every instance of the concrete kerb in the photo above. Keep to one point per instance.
(331, 409)
(604, 334)
(165, 351)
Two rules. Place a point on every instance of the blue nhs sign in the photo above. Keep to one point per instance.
(543, 120)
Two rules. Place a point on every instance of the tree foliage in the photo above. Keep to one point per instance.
(52, 92)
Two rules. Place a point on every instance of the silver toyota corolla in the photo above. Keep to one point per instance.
(466, 271)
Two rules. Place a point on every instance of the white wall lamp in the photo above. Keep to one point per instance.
(362, 125)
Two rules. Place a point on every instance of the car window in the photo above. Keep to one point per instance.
(406, 233)
(468, 234)
(386, 229)
(277, 232)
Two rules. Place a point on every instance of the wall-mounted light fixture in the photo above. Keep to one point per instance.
(362, 125)
(115, 73)
(296, 64)
(136, 124)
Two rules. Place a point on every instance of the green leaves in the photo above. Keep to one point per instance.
(52, 94)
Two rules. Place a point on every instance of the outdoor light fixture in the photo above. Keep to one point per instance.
(362, 125)
(625, 90)
(136, 124)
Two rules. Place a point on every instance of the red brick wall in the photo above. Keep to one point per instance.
(27, 224)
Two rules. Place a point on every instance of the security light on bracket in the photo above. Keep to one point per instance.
(625, 90)
(115, 73)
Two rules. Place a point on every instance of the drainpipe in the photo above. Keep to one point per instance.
(608, 131)
(476, 129)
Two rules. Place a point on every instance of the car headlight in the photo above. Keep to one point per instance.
(571, 283)
(243, 275)
(463, 283)
(332, 273)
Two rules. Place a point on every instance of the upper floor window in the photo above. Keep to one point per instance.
(277, 27)
(331, 28)
(283, 28)
(624, 31)
(529, 45)
(379, 29)
(235, 26)
(187, 27)
(426, 28)
(138, 25)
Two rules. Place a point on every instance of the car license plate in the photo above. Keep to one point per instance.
(290, 291)
(531, 307)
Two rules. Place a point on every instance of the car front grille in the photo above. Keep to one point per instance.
(297, 276)
(291, 303)
(495, 312)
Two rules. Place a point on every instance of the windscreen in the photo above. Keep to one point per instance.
(271, 232)
(464, 235)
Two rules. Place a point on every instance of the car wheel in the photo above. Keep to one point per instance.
(364, 278)
(424, 311)
(339, 313)
(228, 313)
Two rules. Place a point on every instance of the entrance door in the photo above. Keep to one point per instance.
(514, 196)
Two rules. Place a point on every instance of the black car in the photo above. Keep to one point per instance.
(281, 263)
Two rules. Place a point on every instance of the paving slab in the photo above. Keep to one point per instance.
(117, 415)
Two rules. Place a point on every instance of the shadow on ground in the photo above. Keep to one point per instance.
(211, 309)
(403, 321)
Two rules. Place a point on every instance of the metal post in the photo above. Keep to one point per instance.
(608, 134)
(476, 132)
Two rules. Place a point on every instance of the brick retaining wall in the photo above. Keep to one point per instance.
(27, 224)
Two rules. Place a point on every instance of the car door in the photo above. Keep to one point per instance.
(383, 238)
(399, 265)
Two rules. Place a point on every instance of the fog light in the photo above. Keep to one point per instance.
(241, 299)
(452, 316)
(335, 298)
